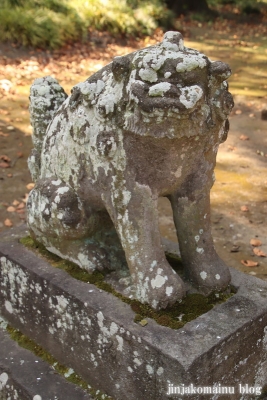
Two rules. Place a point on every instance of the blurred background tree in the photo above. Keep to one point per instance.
(184, 6)
(52, 23)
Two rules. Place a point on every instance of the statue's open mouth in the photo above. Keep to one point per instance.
(165, 96)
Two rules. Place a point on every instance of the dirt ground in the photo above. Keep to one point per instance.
(239, 196)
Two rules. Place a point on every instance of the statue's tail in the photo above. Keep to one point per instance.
(46, 96)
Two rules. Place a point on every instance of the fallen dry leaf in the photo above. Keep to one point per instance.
(5, 158)
(249, 263)
(15, 203)
(255, 242)
(243, 137)
(11, 209)
(8, 223)
(4, 165)
(244, 208)
(231, 148)
(9, 175)
(30, 186)
(238, 112)
(259, 252)
(4, 134)
(21, 206)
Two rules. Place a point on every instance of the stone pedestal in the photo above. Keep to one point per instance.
(94, 333)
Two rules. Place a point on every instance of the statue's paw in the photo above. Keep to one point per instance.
(211, 276)
(160, 290)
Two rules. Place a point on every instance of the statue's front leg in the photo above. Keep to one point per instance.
(191, 211)
(135, 216)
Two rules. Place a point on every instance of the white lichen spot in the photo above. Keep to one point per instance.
(56, 183)
(37, 397)
(159, 90)
(197, 238)
(137, 361)
(169, 290)
(130, 369)
(201, 231)
(158, 282)
(153, 264)
(190, 95)
(203, 275)
(9, 307)
(160, 371)
(167, 75)
(63, 190)
(3, 380)
(200, 250)
(148, 75)
(69, 372)
(149, 369)
(59, 324)
(100, 319)
(217, 276)
(178, 172)
(51, 330)
(120, 342)
(191, 62)
(155, 303)
(111, 95)
(62, 303)
(38, 288)
(113, 328)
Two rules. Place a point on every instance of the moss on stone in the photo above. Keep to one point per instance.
(175, 317)
(183, 311)
(138, 318)
(30, 345)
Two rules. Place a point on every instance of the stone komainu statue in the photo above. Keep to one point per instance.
(147, 125)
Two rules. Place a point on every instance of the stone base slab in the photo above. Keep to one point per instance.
(24, 376)
(94, 333)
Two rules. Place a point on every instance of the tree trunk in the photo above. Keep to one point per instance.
(183, 6)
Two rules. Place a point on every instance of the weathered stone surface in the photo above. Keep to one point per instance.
(94, 333)
(147, 125)
(23, 376)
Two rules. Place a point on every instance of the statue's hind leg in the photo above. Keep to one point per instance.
(58, 220)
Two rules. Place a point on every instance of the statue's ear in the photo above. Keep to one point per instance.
(120, 67)
(220, 70)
